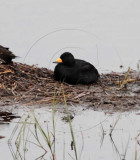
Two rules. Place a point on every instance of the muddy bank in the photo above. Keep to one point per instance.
(29, 85)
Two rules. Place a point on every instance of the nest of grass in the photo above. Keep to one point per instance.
(29, 85)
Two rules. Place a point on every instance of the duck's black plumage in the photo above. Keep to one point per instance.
(6, 56)
(75, 71)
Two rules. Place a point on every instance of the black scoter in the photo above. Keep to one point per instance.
(75, 71)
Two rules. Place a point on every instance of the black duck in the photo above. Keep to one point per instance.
(74, 71)
(6, 56)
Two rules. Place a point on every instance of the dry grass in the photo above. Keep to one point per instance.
(29, 85)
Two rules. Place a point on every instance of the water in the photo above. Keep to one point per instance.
(105, 33)
(112, 39)
(92, 134)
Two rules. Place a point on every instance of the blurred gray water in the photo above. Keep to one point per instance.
(113, 26)
(91, 131)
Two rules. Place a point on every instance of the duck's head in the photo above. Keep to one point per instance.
(67, 59)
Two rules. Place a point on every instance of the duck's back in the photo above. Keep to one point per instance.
(80, 73)
(86, 72)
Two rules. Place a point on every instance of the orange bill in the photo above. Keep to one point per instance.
(59, 60)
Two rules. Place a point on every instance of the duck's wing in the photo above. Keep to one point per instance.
(84, 66)
(86, 72)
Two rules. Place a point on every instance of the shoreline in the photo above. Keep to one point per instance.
(30, 85)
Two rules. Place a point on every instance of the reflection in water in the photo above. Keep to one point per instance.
(96, 135)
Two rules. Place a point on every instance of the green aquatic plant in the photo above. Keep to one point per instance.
(71, 129)
(29, 127)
